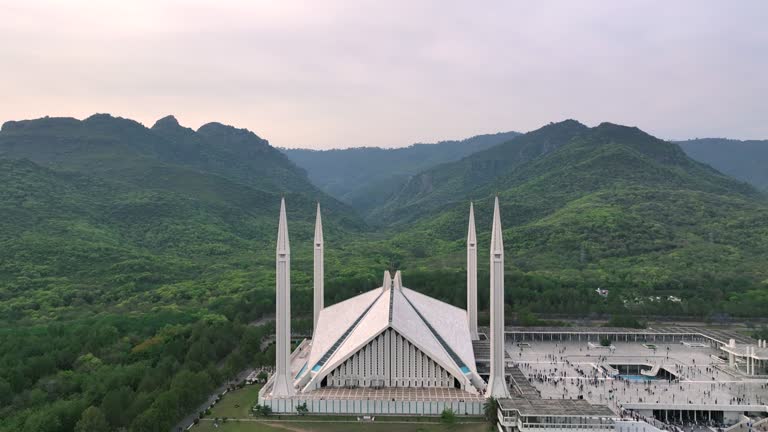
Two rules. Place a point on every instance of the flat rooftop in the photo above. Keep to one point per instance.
(555, 407)
(570, 370)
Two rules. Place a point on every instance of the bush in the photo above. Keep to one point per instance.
(448, 416)
(302, 409)
(762, 333)
(262, 410)
(625, 321)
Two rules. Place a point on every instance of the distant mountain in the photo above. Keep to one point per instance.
(562, 160)
(596, 206)
(744, 160)
(167, 156)
(366, 176)
(439, 186)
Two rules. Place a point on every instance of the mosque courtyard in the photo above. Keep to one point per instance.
(688, 374)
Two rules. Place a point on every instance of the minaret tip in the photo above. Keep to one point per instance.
(497, 243)
(471, 235)
(318, 228)
(283, 245)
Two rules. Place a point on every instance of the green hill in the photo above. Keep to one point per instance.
(608, 206)
(443, 185)
(744, 160)
(119, 149)
(365, 177)
(70, 242)
(112, 214)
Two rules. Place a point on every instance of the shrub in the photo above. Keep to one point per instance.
(448, 416)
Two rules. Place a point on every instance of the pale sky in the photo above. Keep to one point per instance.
(324, 74)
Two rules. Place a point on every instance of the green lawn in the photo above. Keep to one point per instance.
(206, 426)
(237, 404)
(310, 426)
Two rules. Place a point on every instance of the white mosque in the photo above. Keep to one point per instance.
(390, 350)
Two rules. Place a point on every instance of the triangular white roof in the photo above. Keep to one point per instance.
(374, 322)
(448, 321)
(438, 329)
(335, 320)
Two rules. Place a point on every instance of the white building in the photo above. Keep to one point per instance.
(388, 350)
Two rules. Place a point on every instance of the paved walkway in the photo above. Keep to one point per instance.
(564, 370)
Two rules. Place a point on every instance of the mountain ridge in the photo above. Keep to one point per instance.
(365, 176)
(742, 159)
(458, 178)
(119, 148)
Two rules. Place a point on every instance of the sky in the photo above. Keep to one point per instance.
(335, 74)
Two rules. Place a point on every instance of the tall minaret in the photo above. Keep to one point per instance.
(319, 275)
(282, 385)
(472, 275)
(497, 386)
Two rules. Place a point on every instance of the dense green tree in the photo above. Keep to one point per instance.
(115, 406)
(42, 421)
(92, 420)
(490, 409)
(6, 392)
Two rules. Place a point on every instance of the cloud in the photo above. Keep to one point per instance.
(338, 74)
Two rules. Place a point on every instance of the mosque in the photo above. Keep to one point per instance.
(390, 350)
